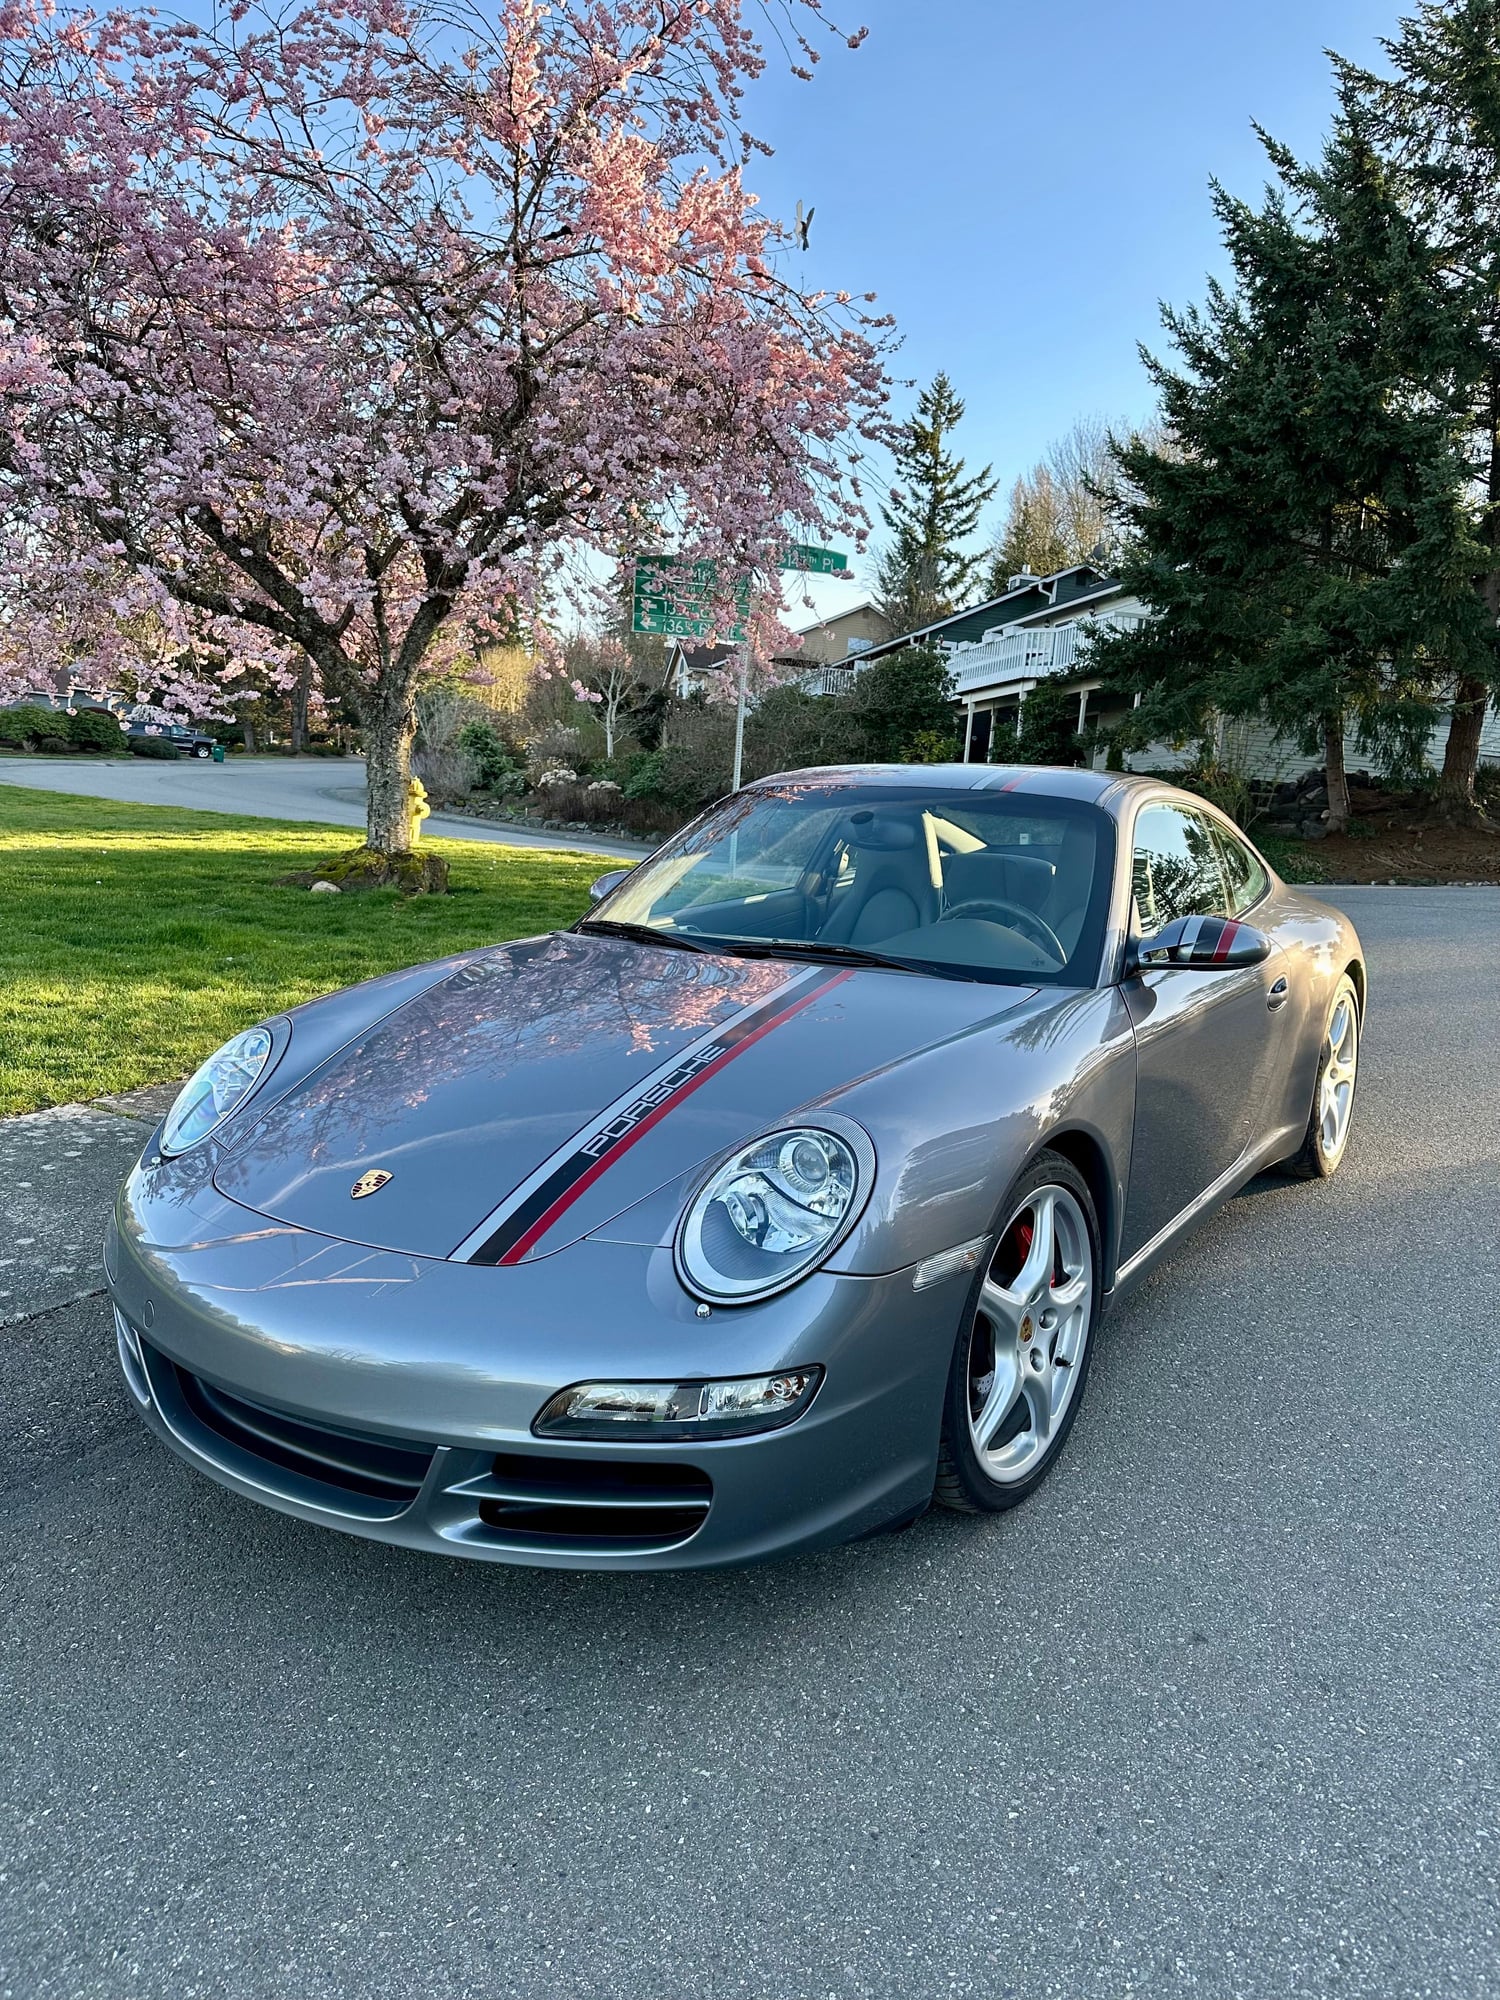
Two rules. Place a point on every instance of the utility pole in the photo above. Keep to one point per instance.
(739, 722)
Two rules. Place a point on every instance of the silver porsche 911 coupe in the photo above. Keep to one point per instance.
(777, 1198)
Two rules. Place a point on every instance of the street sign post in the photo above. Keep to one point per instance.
(673, 599)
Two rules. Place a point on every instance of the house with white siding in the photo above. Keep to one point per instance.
(999, 652)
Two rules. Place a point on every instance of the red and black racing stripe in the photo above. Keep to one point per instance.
(524, 1227)
(1227, 937)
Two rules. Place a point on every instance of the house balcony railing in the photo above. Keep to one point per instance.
(829, 680)
(1000, 659)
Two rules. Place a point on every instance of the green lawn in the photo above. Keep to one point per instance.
(135, 939)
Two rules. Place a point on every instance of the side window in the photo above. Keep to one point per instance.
(1175, 868)
(1244, 877)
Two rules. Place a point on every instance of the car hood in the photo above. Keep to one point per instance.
(538, 1090)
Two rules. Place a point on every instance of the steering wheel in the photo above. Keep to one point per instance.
(1018, 917)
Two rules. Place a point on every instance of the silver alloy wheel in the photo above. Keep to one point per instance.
(1336, 1089)
(1029, 1333)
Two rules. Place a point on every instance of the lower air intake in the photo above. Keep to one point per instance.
(592, 1505)
(304, 1459)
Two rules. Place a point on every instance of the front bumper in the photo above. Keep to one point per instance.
(392, 1396)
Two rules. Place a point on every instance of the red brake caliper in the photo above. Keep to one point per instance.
(1023, 1232)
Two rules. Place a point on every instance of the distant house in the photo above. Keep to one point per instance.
(687, 665)
(821, 662)
(999, 650)
(831, 646)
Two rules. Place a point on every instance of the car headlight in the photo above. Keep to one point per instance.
(217, 1089)
(771, 1213)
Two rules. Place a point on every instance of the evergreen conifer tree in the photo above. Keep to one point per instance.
(1437, 119)
(1303, 540)
(925, 571)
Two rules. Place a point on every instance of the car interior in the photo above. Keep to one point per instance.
(976, 884)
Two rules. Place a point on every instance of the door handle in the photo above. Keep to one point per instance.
(1279, 994)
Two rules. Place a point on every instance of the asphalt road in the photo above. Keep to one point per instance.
(328, 790)
(1215, 1714)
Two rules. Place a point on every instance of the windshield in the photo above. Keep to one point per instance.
(981, 885)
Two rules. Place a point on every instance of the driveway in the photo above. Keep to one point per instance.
(1215, 1714)
(328, 790)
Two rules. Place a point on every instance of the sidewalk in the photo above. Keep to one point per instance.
(59, 1173)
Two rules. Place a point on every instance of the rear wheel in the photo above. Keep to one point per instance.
(1023, 1350)
(1328, 1127)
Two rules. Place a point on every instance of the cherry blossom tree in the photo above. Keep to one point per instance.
(336, 331)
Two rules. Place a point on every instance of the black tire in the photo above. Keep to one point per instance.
(202, 750)
(1315, 1160)
(963, 1482)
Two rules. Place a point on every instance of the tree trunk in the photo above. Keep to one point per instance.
(1455, 792)
(1337, 777)
(300, 691)
(388, 740)
(249, 728)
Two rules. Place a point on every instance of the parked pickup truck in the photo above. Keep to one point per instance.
(186, 741)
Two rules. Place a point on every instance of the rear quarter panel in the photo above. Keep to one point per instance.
(1321, 945)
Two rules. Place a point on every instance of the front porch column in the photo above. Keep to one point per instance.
(968, 728)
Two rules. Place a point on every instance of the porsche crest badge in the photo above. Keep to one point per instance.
(370, 1183)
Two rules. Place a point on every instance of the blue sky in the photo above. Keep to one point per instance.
(1022, 183)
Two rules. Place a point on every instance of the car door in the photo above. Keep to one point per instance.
(1206, 1039)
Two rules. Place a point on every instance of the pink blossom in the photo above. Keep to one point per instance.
(336, 333)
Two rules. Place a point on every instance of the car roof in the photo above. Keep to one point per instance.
(1109, 789)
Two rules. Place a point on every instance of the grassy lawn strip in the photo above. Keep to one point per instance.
(135, 939)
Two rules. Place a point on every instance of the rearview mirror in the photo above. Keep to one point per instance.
(1204, 944)
(600, 889)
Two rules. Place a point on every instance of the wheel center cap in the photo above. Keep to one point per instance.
(1027, 1329)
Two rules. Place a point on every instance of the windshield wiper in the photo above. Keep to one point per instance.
(846, 954)
(641, 933)
(742, 947)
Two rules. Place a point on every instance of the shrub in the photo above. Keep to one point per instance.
(488, 754)
(903, 705)
(447, 774)
(54, 746)
(159, 747)
(1049, 728)
(95, 729)
(29, 723)
(558, 747)
(789, 729)
(676, 779)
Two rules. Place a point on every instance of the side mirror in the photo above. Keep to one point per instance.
(1203, 944)
(600, 889)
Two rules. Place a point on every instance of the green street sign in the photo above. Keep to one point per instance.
(672, 600)
(814, 562)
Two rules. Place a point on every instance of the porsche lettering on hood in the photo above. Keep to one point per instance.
(522, 1078)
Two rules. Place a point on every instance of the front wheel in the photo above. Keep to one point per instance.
(201, 750)
(1023, 1350)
